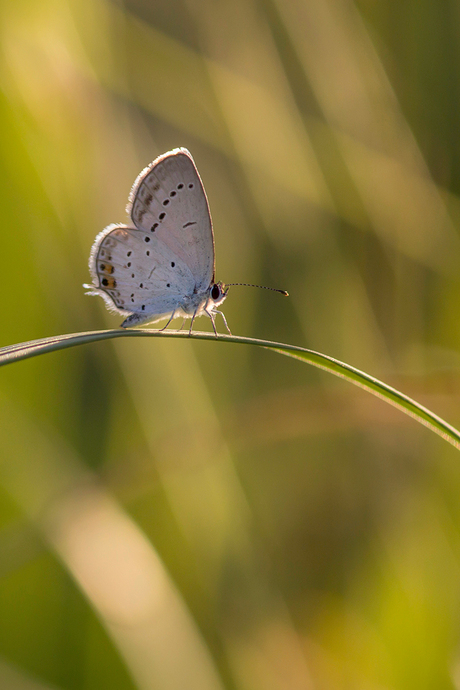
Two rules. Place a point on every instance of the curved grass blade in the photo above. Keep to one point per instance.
(14, 353)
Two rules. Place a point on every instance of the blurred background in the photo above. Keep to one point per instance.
(196, 515)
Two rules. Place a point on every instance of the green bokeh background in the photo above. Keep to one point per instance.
(179, 514)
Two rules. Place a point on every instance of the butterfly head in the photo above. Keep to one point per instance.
(218, 292)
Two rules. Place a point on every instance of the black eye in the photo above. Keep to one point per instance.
(215, 292)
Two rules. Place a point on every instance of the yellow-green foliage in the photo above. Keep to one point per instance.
(185, 514)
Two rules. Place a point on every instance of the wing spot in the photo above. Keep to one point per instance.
(148, 198)
(168, 284)
(191, 222)
(172, 264)
(109, 282)
(147, 252)
(180, 185)
(141, 285)
(156, 187)
(129, 254)
(190, 185)
(129, 264)
(132, 300)
(132, 275)
(165, 202)
(173, 193)
(143, 307)
(162, 215)
(147, 239)
(102, 252)
(154, 227)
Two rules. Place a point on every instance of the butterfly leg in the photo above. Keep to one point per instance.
(216, 311)
(165, 327)
(191, 325)
(182, 324)
(213, 320)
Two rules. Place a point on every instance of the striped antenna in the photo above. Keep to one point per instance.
(262, 287)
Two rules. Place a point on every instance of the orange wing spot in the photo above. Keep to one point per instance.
(120, 232)
(109, 282)
(106, 268)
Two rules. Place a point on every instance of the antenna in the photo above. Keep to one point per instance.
(262, 287)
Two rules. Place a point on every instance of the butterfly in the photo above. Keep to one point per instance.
(163, 266)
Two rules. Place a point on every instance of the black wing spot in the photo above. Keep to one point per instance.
(143, 307)
(147, 252)
(132, 299)
(141, 285)
(190, 185)
(165, 202)
(104, 282)
(129, 264)
(147, 239)
(168, 284)
(172, 264)
(102, 252)
(180, 185)
(129, 254)
(172, 193)
(162, 215)
(154, 227)
(132, 275)
(191, 222)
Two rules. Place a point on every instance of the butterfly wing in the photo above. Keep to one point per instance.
(167, 259)
(168, 201)
(136, 272)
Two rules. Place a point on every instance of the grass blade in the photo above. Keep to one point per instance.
(14, 353)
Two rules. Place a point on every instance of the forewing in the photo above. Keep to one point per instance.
(168, 201)
(136, 272)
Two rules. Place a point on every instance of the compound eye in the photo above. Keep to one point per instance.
(215, 292)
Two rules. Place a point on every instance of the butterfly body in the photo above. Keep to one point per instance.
(164, 265)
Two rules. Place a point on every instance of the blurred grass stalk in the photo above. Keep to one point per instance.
(108, 556)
